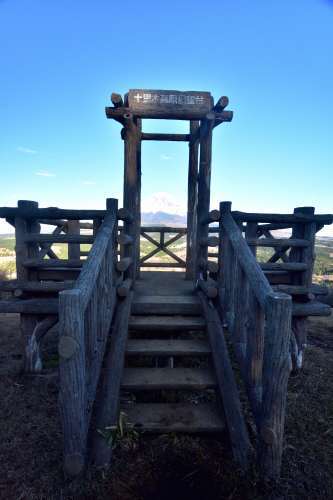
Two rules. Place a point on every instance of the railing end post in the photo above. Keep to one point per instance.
(225, 207)
(111, 204)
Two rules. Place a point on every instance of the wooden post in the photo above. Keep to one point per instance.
(224, 260)
(206, 133)
(276, 369)
(136, 247)
(72, 370)
(24, 251)
(73, 248)
(305, 255)
(132, 191)
(192, 201)
(251, 233)
(306, 231)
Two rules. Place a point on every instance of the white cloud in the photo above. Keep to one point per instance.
(166, 157)
(89, 183)
(26, 150)
(44, 173)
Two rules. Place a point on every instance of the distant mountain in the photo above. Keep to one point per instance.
(162, 219)
(163, 202)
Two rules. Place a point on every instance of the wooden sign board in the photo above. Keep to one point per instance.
(169, 103)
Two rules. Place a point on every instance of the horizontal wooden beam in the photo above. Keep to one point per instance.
(118, 114)
(51, 213)
(162, 264)
(278, 242)
(283, 266)
(312, 308)
(53, 263)
(35, 286)
(59, 238)
(165, 137)
(163, 229)
(282, 218)
(29, 306)
(314, 289)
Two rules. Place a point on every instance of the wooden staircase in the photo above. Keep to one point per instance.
(168, 374)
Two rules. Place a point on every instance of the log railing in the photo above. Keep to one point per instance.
(265, 326)
(259, 325)
(162, 245)
(85, 315)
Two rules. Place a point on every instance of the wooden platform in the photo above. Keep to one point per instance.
(163, 283)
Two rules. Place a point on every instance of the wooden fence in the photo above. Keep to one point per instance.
(162, 245)
(81, 291)
(85, 315)
(261, 319)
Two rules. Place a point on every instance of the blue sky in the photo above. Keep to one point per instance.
(60, 61)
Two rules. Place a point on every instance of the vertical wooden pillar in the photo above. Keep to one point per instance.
(206, 132)
(25, 251)
(192, 201)
(73, 248)
(276, 369)
(224, 261)
(132, 184)
(138, 163)
(307, 256)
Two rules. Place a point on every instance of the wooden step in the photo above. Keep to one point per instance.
(167, 323)
(157, 304)
(178, 417)
(175, 347)
(149, 379)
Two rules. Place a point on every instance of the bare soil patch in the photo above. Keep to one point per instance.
(163, 467)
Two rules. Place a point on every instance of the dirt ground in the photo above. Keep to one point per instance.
(165, 467)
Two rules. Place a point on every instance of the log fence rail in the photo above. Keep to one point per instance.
(264, 321)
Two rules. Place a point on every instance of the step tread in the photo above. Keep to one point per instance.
(175, 417)
(173, 322)
(175, 347)
(167, 378)
(166, 304)
(166, 299)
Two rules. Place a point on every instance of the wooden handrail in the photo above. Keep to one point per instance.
(259, 320)
(85, 315)
(91, 267)
(258, 281)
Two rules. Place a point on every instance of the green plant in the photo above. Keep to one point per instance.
(115, 433)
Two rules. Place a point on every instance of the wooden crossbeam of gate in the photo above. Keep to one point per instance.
(161, 245)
